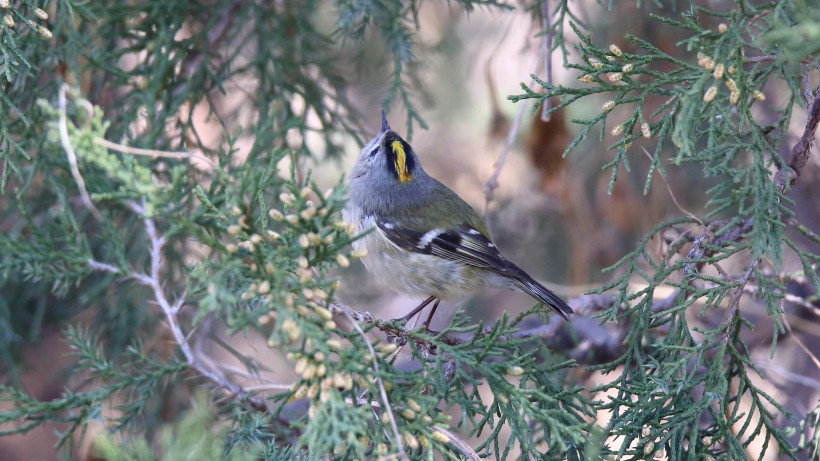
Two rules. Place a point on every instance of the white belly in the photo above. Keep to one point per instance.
(413, 274)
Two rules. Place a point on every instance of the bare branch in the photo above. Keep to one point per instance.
(72, 156)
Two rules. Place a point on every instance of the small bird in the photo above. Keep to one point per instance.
(424, 240)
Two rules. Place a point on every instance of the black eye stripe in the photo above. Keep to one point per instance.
(373, 152)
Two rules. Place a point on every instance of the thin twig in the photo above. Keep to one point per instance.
(69, 151)
(382, 391)
(462, 446)
(545, 18)
(151, 152)
(672, 194)
(800, 151)
(737, 292)
(492, 183)
(153, 280)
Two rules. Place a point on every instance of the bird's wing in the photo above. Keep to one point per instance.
(462, 243)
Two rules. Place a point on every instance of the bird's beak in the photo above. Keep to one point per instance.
(385, 125)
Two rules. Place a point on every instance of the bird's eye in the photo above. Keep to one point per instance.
(373, 152)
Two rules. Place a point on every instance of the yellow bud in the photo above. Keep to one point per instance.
(645, 130)
(707, 441)
(330, 325)
(314, 239)
(388, 348)
(595, 63)
(360, 253)
(722, 28)
(309, 372)
(585, 78)
(235, 211)
(305, 192)
(287, 198)
(231, 248)
(338, 380)
(607, 106)
(759, 95)
(610, 58)
(275, 214)
(617, 130)
(413, 405)
(319, 356)
(301, 364)
(291, 329)
(335, 285)
(615, 77)
(4, 3)
(734, 97)
(269, 268)
(709, 64)
(291, 219)
(660, 454)
(303, 241)
(710, 94)
(731, 70)
(334, 344)
(718, 73)
(319, 293)
(264, 287)
(408, 413)
(731, 85)
(424, 442)
(645, 431)
(302, 262)
(615, 50)
(321, 370)
(515, 371)
(648, 448)
(503, 399)
(385, 418)
(627, 68)
(40, 14)
(440, 437)
(313, 390)
(411, 441)
(263, 319)
(8, 20)
(426, 419)
(44, 32)
(324, 313)
(308, 213)
(301, 392)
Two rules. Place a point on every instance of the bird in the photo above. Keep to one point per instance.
(419, 237)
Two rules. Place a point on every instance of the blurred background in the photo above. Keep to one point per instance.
(551, 215)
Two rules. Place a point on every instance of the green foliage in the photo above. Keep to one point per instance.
(155, 240)
(194, 436)
(673, 374)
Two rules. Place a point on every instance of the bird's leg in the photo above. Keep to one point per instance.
(418, 308)
(430, 316)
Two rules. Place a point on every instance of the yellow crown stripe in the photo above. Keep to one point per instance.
(401, 161)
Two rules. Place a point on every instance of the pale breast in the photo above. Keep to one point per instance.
(413, 274)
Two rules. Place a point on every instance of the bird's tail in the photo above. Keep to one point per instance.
(541, 293)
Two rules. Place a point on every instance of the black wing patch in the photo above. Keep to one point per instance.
(468, 246)
(463, 244)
